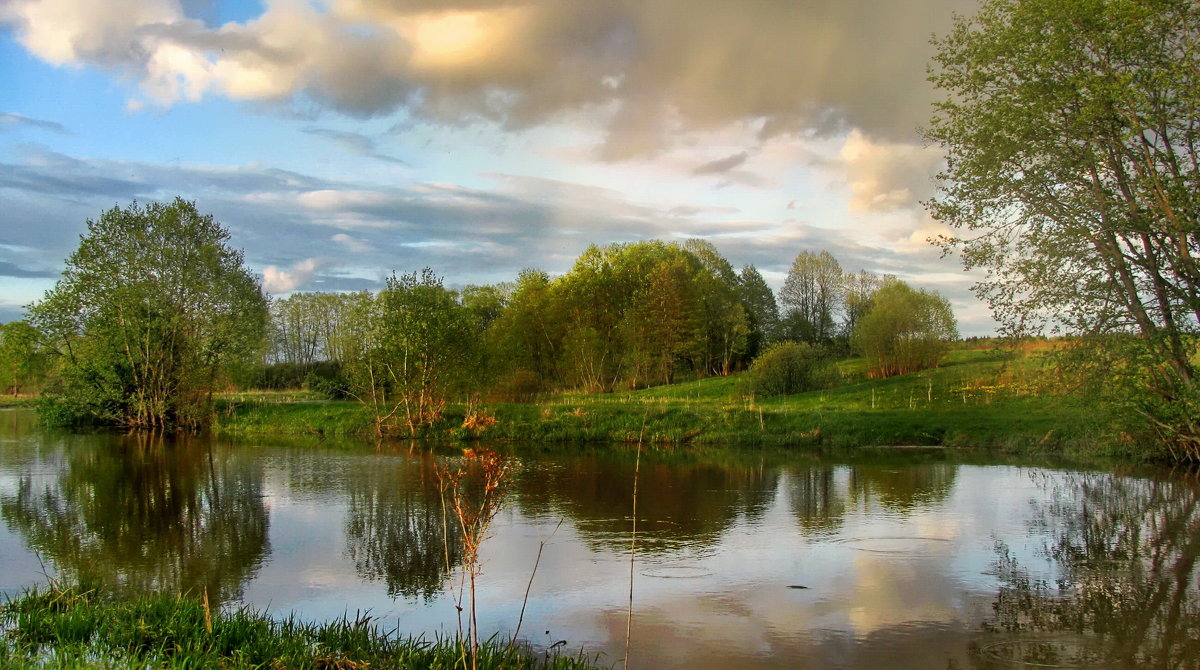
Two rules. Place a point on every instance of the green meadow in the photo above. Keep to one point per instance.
(978, 398)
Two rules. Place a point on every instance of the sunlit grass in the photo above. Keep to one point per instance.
(1004, 399)
(72, 627)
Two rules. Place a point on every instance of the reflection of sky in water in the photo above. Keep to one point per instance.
(893, 581)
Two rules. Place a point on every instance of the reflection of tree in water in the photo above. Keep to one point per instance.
(145, 513)
(902, 488)
(395, 530)
(1126, 556)
(819, 507)
(678, 504)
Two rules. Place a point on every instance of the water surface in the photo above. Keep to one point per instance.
(901, 560)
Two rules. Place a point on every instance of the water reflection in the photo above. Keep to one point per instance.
(897, 552)
(1122, 592)
(134, 511)
(903, 488)
(395, 527)
(817, 501)
(679, 506)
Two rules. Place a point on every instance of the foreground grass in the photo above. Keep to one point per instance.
(77, 628)
(979, 398)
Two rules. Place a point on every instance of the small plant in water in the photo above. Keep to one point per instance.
(474, 492)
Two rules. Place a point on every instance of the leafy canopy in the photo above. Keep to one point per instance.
(150, 309)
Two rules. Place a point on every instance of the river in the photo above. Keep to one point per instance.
(743, 559)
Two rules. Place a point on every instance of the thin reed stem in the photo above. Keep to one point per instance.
(637, 464)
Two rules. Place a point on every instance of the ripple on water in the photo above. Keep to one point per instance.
(1062, 651)
(895, 544)
(677, 572)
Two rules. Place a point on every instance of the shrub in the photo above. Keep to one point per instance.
(790, 367)
(905, 330)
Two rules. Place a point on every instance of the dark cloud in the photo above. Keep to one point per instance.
(11, 121)
(13, 270)
(354, 143)
(652, 68)
(721, 165)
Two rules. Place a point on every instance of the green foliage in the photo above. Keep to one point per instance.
(307, 328)
(416, 346)
(761, 309)
(1070, 131)
(152, 308)
(790, 367)
(904, 331)
(810, 296)
(1126, 374)
(24, 363)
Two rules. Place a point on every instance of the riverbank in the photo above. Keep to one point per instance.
(978, 399)
(78, 628)
(17, 401)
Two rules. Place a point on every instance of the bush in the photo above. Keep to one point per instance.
(790, 367)
(327, 379)
(905, 330)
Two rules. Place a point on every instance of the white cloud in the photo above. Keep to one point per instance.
(886, 176)
(276, 280)
(352, 243)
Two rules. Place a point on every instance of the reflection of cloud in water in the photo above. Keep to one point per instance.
(885, 592)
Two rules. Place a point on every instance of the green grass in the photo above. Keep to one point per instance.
(255, 416)
(978, 398)
(78, 628)
(17, 401)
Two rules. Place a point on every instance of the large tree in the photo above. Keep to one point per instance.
(1072, 134)
(811, 294)
(415, 347)
(151, 307)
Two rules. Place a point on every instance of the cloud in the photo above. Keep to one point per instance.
(352, 243)
(721, 165)
(475, 235)
(13, 270)
(355, 143)
(9, 121)
(276, 280)
(647, 70)
(887, 176)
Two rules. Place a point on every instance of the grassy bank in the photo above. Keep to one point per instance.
(17, 401)
(979, 398)
(77, 628)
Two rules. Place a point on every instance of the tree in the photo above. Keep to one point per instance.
(759, 301)
(23, 362)
(151, 308)
(1073, 163)
(660, 328)
(906, 330)
(860, 289)
(811, 293)
(526, 337)
(418, 345)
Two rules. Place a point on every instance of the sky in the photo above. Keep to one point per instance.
(341, 140)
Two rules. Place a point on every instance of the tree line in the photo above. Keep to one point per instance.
(625, 316)
(155, 312)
